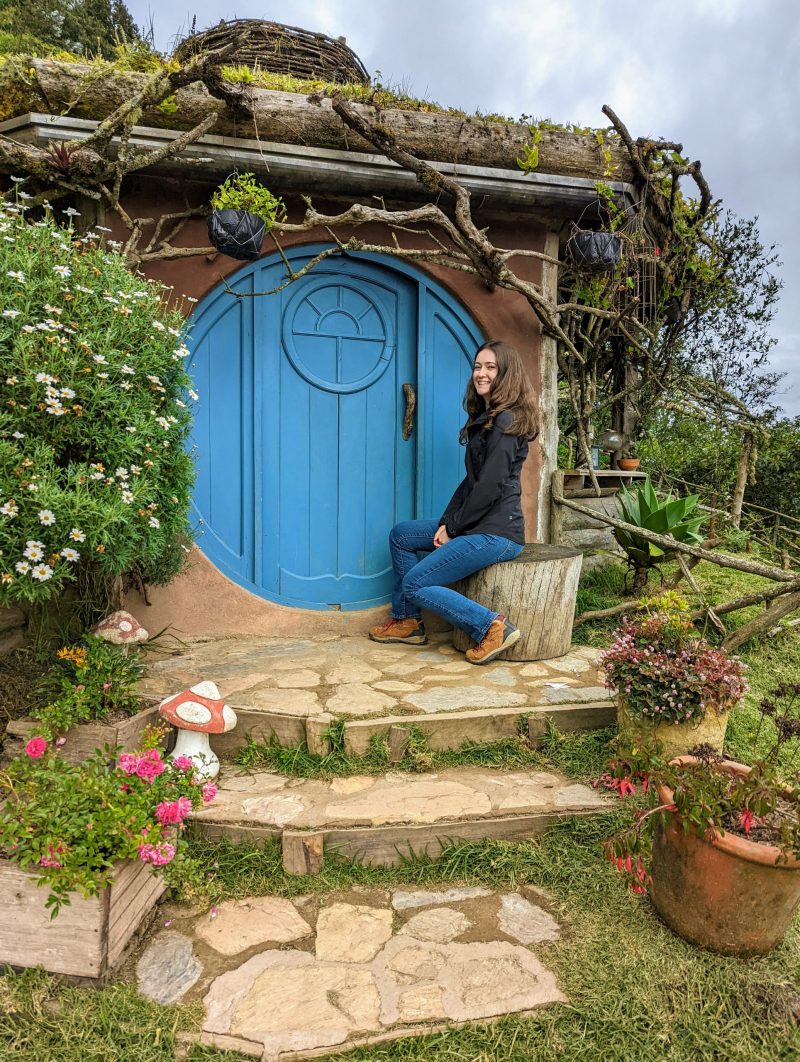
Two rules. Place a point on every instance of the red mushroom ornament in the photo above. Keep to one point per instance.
(120, 628)
(198, 712)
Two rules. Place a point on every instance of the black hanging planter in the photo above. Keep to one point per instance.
(595, 252)
(236, 233)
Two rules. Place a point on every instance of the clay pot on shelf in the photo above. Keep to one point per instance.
(628, 464)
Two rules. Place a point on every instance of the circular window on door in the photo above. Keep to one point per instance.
(338, 335)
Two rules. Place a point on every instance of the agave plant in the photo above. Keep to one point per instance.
(665, 516)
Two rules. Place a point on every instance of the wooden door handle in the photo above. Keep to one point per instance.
(411, 405)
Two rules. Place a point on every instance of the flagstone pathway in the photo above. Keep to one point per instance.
(283, 979)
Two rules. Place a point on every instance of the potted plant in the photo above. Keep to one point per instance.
(722, 839)
(628, 462)
(670, 685)
(81, 851)
(243, 211)
(598, 250)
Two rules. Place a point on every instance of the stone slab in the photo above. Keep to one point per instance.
(238, 925)
(168, 968)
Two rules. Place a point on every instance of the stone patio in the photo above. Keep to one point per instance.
(292, 690)
(382, 819)
(283, 979)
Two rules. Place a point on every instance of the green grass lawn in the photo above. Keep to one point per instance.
(636, 991)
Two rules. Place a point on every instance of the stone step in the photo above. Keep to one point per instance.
(293, 691)
(381, 819)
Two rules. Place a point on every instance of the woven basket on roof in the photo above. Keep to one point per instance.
(281, 50)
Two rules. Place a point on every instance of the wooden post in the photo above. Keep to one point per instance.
(536, 591)
(302, 851)
(317, 741)
(398, 740)
(741, 481)
(556, 508)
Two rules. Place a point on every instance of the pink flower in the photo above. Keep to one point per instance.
(183, 763)
(746, 820)
(49, 858)
(157, 854)
(127, 763)
(173, 812)
(209, 792)
(149, 766)
(36, 748)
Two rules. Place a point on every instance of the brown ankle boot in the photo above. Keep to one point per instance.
(501, 635)
(410, 631)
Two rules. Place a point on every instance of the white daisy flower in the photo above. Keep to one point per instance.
(47, 518)
(77, 535)
(33, 487)
(17, 435)
(9, 508)
(22, 567)
(159, 327)
(70, 554)
(194, 395)
(127, 370)
(11, 313)
(100, 359)
(127, 496)
(42, 377)
(16, 274)
(33, 550)
(154, 521)
(125, 386)
(11, 380)
(42, 572)
(131, 429)
(62, 271)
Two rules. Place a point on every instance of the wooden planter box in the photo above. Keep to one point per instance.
(84, 739)
(88, 937)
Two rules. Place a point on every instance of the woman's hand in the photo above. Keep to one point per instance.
(441, 537)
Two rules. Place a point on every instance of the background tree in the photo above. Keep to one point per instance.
(90, 27)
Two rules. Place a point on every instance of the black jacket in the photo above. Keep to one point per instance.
(487, 501)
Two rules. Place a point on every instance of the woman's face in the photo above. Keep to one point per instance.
(484, 372)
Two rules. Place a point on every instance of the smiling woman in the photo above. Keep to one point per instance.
(482, 523)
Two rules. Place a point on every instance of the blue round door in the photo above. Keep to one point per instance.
(303, 465)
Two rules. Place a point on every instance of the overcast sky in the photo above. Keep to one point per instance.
(720, 76)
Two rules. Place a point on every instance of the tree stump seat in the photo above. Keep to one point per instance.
(536, 591)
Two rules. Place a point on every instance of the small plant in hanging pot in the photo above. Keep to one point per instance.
(243, 212)
(598, 250)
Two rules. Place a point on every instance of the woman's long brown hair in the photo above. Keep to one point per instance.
(511, 390)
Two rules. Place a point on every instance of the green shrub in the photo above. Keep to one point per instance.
(94, 415)
(88, 682)
(666, 516)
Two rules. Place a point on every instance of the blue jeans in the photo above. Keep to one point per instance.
(419, 584)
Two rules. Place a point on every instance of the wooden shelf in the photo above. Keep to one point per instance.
(579, 479)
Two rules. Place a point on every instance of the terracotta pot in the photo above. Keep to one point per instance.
(727, 894)
(628, 464)
(675, 738)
